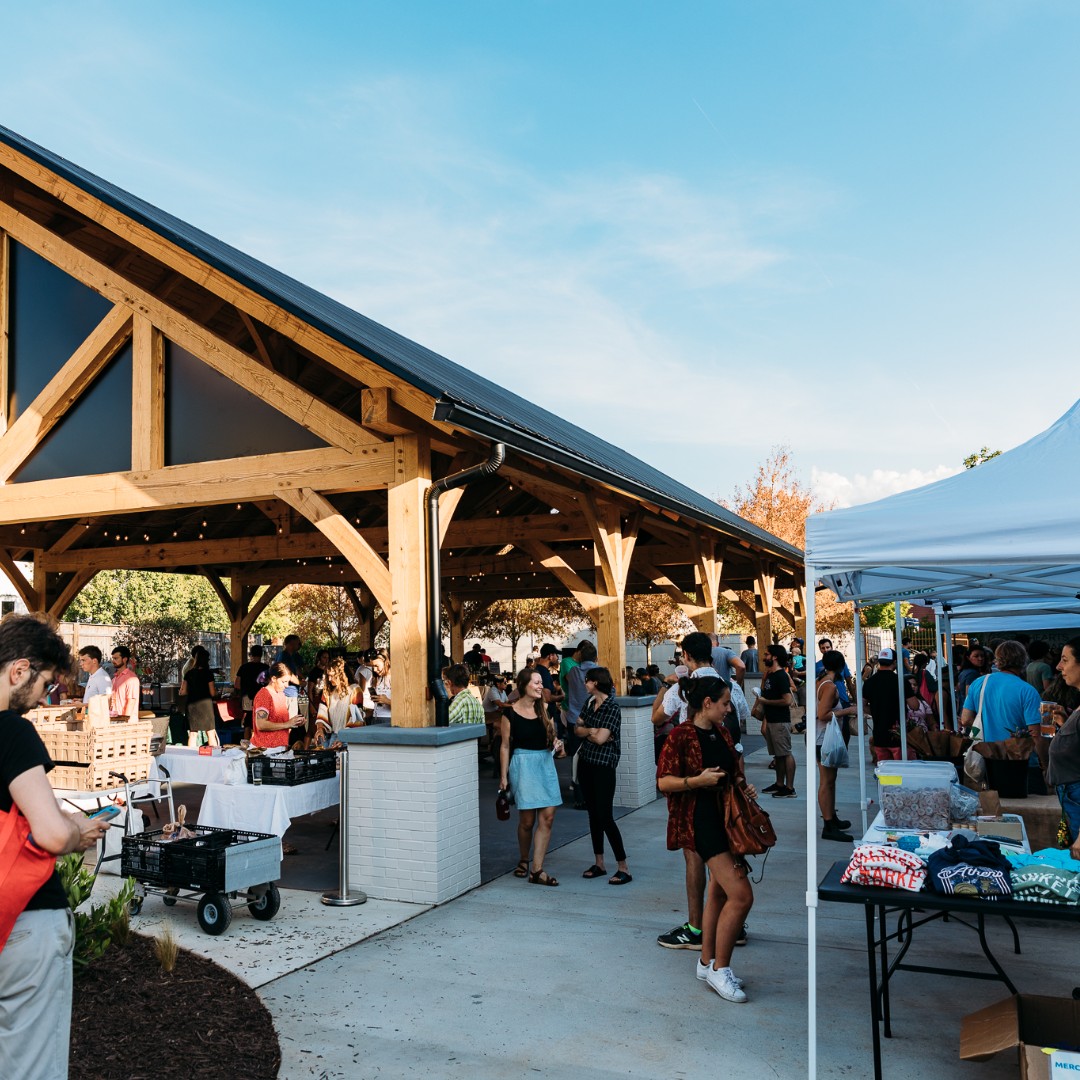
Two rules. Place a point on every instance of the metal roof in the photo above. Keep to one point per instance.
(469, 401)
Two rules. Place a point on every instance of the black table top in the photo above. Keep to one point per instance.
(832, 890)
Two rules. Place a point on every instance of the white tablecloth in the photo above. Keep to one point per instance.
(188, 766)
(266, 808)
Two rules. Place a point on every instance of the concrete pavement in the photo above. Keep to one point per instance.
(515, 980)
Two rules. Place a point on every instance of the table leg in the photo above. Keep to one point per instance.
(990, 956)
(885, 1011)
(1016, 936)
(875, 1004)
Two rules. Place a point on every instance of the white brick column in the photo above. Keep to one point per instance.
(414, 813)
(635, 778)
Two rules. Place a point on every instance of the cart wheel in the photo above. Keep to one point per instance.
(169, 899)
(215, 913)
(266, 906)
(135, 905)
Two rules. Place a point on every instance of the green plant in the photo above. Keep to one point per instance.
(105, 923)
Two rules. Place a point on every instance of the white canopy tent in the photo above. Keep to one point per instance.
(1001, 541)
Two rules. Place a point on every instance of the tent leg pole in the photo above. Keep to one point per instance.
(945, 668)
(898, 650)
(860, 660)
(810, 787)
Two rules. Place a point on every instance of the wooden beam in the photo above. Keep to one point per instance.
(277, 512)
(147, 397)
(230, 550)
(76, 532)
(256, 338)
(27, 593)
(379, 412)
(63, 389)
(5, 327)
(203, 483)
(257, 607)
(228, 602)
(75, 586)
(310, 412)
(408, 584)
(337, 529)
(566, 575)
(352, 363)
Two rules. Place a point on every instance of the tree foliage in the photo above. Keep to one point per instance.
(160, 644)
(130, 597)
(653, 617)
(511, 620)
(776, 500)
(981, 455)
(883, 616)
(323, 615)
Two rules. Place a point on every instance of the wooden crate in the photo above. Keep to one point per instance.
(96, 777)
(85, 755)
(49, 717)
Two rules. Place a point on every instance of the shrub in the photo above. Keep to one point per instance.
(105, 923)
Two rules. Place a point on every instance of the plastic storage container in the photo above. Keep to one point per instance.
(915, 794)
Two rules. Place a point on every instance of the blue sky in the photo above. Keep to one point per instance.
(699, 230)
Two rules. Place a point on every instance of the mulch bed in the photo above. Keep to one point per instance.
(131, 1021)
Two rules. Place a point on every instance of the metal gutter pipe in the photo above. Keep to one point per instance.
(434, 575)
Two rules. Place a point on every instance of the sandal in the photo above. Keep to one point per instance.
(522, 869)
(621, 878)
(538, 877)
(594, 871)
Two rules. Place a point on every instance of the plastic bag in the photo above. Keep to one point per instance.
(975, 767)
(963, 803)
(834, 753)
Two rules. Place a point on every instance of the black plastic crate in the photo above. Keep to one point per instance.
(198, 862)
(304, 768)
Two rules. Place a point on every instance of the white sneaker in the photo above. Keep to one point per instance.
(703, 974)
(726, 985)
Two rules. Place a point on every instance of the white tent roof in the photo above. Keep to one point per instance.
(1009, 528)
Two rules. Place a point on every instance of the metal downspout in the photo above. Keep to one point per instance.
(433, 568)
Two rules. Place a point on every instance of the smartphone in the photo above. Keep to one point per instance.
(106, 813)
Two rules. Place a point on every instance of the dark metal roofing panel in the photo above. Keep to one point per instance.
(421, 367)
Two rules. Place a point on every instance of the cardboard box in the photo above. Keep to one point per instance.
(1027, 1023)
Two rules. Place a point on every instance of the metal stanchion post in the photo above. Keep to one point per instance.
(343, 897)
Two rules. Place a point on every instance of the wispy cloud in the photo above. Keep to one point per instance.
(834, 488)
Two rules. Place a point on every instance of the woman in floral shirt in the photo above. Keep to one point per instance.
(697, 759)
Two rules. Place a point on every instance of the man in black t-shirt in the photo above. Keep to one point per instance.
(881, 695)
(247, 682)
(776, 696)
(35, 959)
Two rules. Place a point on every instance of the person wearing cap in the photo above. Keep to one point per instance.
(881, 698)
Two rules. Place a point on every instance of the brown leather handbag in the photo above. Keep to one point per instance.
(749, 828)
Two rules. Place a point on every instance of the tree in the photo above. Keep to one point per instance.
(883, 616)
(653, 617)
(778, 502)
(980, 456)
(160, 644)
(132, 597)
(322, 615)
(511, 620)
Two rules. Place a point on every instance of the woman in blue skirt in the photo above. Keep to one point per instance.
(527, 769)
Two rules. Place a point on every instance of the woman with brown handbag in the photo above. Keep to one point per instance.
(698, 758)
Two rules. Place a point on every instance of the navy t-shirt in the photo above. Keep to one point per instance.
(549, 684)
(21, 749)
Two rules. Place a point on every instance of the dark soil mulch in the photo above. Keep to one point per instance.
(130, 1021)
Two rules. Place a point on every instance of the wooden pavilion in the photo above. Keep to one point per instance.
(169, 403)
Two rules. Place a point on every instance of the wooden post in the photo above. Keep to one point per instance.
(611, 637)
(764, 587)
(408, 592)
(237, 632)
(5, 308)
(455, 607)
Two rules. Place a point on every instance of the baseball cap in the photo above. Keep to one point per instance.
(548, 649)
(886, 654)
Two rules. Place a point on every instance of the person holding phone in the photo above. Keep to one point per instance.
(35, 958)
(698, 758)
(271, 715)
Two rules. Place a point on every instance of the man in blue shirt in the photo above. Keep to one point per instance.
(1010, 704)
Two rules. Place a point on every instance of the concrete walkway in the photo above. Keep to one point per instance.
(513, 980)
